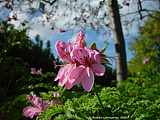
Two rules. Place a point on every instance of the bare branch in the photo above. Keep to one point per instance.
(136, 12)
(51, 3)
(140, 8)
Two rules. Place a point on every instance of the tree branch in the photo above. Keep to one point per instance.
(140, 8)
(136, 12)
(51, 3)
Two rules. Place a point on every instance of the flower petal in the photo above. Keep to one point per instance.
(64, 73)
(80, 39)
(87, 79)
(33, 71)
(30, 111)
(75, 77)
(98, 69)
(80, 55)
(60, 46)
(97, 56)
(60, 74)
(36, 101)
(63, 50)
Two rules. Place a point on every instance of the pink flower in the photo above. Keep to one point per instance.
(83, 63)
(33, 71)
(39, 71)
(64, 74)
(36, 72)
(146, 60)
(64, 50)
(38, 106)
(80, 39)
(30, 111)
(88, 64)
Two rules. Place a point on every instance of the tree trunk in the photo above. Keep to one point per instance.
(115, 22)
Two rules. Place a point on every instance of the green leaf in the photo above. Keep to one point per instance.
(93, 46)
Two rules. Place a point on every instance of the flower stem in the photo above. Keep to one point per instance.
(99, 100)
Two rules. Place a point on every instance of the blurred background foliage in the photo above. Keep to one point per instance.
(17, 55)
(147, 46)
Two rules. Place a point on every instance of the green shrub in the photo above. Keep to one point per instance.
(147, 46)
(136, 98)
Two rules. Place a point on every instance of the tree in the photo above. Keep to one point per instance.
(121, 67)
(146, 48)
(18, 54)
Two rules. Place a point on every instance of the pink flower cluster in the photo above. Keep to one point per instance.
(36, 72)
(38, 106)
(81, 64)
(146, 60)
